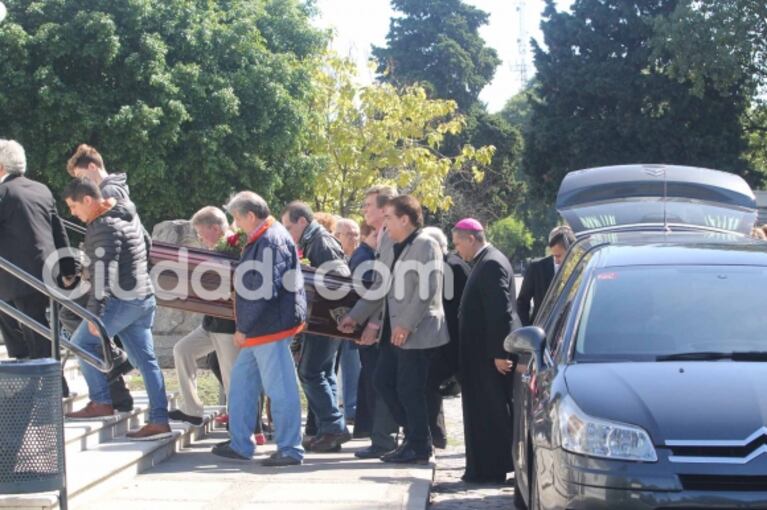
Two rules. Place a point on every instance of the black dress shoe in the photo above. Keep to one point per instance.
(407, 456)
(279, 459)
(178, 415)
(329, 443)
(371, 452)
(225, 450)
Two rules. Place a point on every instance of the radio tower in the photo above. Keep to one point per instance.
(520, 66)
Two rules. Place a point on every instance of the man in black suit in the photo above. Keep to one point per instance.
(30, 230)
(485, 368)
(540, 273)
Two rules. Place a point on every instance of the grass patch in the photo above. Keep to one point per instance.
(207, 384)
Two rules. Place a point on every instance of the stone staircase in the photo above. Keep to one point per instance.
(98, 456)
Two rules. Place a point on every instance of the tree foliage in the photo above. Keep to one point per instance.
(377, 133)
(723, 42)
(605, 99)
(511, 236)
(437, 43)
(757, 141)
(500, 192)
(193, 99)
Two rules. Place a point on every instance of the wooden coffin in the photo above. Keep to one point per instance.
(204, 271)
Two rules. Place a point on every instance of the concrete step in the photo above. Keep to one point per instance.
(86, 435)
(74, 401)
(99, 457)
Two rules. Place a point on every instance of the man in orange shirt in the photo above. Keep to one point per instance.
(270, 308)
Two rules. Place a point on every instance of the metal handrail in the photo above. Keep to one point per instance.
(74, 227)
(58, 300)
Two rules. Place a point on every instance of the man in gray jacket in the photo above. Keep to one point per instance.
(413, 324)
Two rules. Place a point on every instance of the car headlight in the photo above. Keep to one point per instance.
(594, 437)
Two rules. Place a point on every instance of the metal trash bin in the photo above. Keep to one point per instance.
(31, 450)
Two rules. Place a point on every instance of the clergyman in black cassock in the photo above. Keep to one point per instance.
(485, 372)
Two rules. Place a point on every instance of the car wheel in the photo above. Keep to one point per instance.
(519, 500)
(535, 495)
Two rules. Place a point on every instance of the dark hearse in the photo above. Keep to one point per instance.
(643, 382)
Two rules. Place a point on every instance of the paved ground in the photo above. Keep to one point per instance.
(449, 492)
(194, 479)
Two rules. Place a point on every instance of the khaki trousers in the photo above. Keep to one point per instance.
(187, 351)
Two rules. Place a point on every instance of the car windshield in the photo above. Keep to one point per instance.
(646, 313)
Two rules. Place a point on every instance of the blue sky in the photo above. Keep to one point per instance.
(358, 24)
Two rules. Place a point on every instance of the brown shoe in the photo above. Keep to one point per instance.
(92, 411)
(150, 432)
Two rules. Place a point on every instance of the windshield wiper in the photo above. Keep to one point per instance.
(711, 356)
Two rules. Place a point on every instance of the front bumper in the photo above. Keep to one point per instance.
(574, 482)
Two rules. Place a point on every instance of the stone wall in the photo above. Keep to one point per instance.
(171, 325)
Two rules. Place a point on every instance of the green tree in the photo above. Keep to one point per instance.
(756, 125)
(500, 192)
(193, 99)
(605, 99)
(723, 42)
(437, 43)
(377, 133)
(511, 236)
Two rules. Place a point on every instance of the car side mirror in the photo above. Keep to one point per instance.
(530, 340)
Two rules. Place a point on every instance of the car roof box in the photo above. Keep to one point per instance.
(646, 196)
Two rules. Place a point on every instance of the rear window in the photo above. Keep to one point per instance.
(656, 211)
(639, 313)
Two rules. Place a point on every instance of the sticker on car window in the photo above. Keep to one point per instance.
(607, 276)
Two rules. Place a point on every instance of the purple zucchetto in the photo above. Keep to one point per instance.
(469, 224)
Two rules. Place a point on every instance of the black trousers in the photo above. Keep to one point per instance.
(21, 341)
(440, 369)
(366, 395)
(400, 379)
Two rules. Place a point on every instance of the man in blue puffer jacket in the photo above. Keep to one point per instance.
(270, 308)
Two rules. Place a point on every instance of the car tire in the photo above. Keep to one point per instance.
(519, 500)
(535, 495)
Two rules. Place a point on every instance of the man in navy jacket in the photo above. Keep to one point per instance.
(270, 308)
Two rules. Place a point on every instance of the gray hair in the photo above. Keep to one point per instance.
(247, 201)
(347, 222)
(438, 236)
(12, 157)
(209, 216)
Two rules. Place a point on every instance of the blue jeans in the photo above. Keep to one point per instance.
(350, 373)
(268, 368)
(132, 320)
(318, 378)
